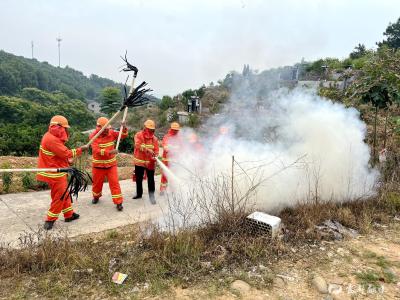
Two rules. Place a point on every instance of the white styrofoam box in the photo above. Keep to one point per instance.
(264, 223)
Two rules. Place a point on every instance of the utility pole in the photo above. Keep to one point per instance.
(59, 46)
(32, 48)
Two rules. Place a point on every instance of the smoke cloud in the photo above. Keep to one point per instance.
(289, 146)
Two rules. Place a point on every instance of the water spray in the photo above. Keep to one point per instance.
(167, 171)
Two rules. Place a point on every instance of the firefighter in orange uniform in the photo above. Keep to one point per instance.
(104, 163)
(195, 144)
(170, 145)
(54, 154)
(146, 149)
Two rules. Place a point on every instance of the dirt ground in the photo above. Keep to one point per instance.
(367, 267)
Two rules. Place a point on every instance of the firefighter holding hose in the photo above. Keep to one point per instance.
(54, 154)
(170, 146)
(104, 162)
(146, 149)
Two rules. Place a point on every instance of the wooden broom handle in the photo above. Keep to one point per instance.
(125, 113)
(122, 127)
(102, 129)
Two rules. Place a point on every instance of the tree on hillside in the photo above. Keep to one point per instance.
(110, 100)
(359, 51)
(17, 72)
(166, 102)
(379, 84)
(392, 34)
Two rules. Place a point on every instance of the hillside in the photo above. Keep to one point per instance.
(17, 72)
(31, 92)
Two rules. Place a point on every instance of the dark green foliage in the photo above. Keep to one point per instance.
(359, 51)
(111, 100)
(175, 117)
(6, 178)
(189, 93)
(126, 145)
(392, 34)
(17, 72)
(166, 102)
(28, 180)
(194, 120)
(23, 122)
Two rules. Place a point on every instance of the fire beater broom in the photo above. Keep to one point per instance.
(135, 70)
(137, 97)
(78, 181)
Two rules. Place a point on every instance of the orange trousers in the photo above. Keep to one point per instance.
(164, 179)
(57, 189)
(99, 174)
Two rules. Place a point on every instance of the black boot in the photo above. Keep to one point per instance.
(74, 216)
(120, 207)
(152, 198)
(48, 225)
(137, 197)
(95, 200)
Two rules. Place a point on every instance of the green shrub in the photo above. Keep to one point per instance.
(393, 200)
(194, 120)
(6, 178)
(28, 181)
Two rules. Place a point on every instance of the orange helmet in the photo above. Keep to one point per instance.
(59, 120)
(175, 126)
(102, 121)
(150, 124)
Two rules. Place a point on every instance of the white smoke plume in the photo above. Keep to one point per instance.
(294, 144)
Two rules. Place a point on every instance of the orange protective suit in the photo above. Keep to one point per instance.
(170, 144)
(145, 140)
(144, 161)
(104, 164)
(54, 154)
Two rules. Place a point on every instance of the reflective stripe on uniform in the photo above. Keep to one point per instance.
(73, 153)
(102, 151)
(104, 161)
(140, 161)
(50, 214)
(106, 145)
(49, 153)
(148, 146)
(116, 196)
(96, 194)
(67, 209)
(52, 175)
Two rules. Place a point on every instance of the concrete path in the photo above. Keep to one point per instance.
(24, 212)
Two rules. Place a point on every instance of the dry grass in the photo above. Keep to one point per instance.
(159, 259)
(216, 251)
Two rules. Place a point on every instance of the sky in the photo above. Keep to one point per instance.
(178, 44)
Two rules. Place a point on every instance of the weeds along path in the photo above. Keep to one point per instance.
(23, 212)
